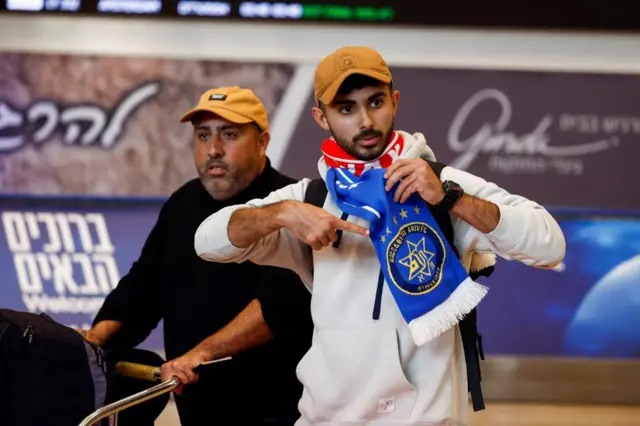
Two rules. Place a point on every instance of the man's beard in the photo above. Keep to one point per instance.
(236, 179)
(217, 186)
(351, 146)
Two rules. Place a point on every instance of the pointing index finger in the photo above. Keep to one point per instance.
(350, 227)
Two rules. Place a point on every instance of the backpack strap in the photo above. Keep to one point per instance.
(436, 166)
(473, 353)
(316, 193)
(471, 339)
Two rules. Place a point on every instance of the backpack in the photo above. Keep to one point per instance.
(50, 374)
(316, 195)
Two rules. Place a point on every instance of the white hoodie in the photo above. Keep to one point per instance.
(365, 372)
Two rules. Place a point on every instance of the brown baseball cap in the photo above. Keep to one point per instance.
(235, 104)
(348, 60)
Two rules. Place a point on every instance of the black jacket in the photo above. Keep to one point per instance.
(196, 298)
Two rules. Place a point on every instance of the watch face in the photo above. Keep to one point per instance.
(453, 192)
(450, 186)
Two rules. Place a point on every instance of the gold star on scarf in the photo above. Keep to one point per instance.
(403, 213)
(416, 209)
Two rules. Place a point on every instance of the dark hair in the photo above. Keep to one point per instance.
(357, 82)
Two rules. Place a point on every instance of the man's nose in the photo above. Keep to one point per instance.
(215, 148)
(365, 121)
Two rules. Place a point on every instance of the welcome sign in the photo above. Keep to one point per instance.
(64, 260)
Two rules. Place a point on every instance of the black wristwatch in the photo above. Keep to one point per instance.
(452, 193)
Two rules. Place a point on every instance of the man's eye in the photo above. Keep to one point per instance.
(229, 135)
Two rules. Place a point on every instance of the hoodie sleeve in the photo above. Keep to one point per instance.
(281, 248)
(526, 231)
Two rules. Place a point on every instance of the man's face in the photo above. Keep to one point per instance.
(228, 156)
(361, 121)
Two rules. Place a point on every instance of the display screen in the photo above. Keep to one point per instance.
(499, 13)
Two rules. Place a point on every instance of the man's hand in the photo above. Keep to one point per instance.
(91, 336)
(414, 175)
(182, 367)
(313, 225)
(101, 332)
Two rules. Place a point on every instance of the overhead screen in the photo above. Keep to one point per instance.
(496, 14)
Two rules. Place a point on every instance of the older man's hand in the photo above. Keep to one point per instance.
(182, 368)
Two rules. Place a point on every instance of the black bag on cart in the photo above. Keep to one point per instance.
(49, 374)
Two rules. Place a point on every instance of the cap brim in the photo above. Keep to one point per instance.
(228, 115)
(330, 93)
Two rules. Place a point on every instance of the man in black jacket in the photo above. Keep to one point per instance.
(259, 316)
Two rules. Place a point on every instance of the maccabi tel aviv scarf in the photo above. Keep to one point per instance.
(428, 282)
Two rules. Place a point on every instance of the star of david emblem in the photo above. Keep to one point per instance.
(419, 260)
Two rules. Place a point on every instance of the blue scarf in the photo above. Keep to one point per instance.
(429, 284)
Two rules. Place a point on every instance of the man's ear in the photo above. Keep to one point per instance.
(263, 140)
(395, 99)
(320, 117)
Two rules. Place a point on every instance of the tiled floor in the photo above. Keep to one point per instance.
(550, 415)
(521, 415)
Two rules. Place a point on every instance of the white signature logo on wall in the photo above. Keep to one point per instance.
(533, 152)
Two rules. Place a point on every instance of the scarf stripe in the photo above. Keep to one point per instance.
(336, 157)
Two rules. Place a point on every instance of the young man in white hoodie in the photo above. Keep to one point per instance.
(365, 369)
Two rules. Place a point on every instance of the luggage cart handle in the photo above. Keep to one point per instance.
(135, 371)
(138, 371)
(143, 372)
(135, 399)
(150, 373)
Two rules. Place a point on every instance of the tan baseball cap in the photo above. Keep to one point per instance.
(348, 60)
(235, 104)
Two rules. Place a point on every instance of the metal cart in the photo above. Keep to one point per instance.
(136, 371)
(141, 372)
